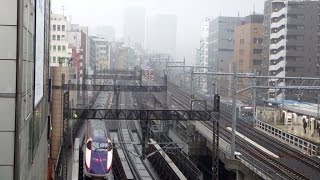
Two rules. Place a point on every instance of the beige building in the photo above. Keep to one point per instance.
(56, 109)
(248, 43)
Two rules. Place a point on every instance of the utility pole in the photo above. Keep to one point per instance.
(254, 97)
(234, 111)
(184, 72)
(318, 108)
(191, 82)
(215, 138)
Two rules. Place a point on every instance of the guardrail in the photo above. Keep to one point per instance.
(301, 144)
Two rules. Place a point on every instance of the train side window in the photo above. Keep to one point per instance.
(89, 145)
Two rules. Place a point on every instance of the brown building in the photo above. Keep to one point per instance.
(56, 110)
(248, 43)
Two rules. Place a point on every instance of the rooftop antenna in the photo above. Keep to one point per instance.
(254, 8)
(63, 9)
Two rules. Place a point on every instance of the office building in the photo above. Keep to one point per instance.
(99, 52)
(24, 95)
(293, 44)
(220, 49)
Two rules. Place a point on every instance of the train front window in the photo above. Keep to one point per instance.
(97, 146)
(89, 145)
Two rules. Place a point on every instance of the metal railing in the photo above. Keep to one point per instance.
(301, 144)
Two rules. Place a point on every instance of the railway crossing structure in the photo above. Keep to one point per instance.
(144, 115)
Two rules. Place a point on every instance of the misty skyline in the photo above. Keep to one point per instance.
(190, 14)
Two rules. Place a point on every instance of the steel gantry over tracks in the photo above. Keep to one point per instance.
(145, 116)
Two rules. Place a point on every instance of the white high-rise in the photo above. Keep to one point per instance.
(204, 51)
(59, 46)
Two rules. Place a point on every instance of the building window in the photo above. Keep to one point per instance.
(300, 27)
(53, 37)
(63, 48)
(54, 28)
(257, 51)
(54, 59)
(59, 48)
(241, 51)
(241, 41)
(62, 60)
(63, 27)
(62, 37)
(58, 27)
(54, 47)
(300, 48)
(257, 62)
(58, 38)
(300, 37)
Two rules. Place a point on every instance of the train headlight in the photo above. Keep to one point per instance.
(88, 158)
(109, 159)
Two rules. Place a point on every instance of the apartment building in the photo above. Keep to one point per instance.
(220, 49)
(60, 52)
(248, 47)
(292, 47)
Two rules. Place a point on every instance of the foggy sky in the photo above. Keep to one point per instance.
(190, 14)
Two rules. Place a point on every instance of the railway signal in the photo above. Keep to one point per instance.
(216, 103)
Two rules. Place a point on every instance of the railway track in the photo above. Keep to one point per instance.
(288, 169)
(138, 167)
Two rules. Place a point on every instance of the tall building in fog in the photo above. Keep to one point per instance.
(292, 45)
(134, 26)
(161, 34)
(24, 92)
(221, 47)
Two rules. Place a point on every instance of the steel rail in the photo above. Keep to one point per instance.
(180, 94)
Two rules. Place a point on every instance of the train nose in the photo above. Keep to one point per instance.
(98, 163)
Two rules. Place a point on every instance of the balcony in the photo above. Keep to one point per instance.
(279, 23)
(279, 44)
(279, 13)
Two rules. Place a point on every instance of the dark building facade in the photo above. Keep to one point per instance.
(292, 45)
(24, 92)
